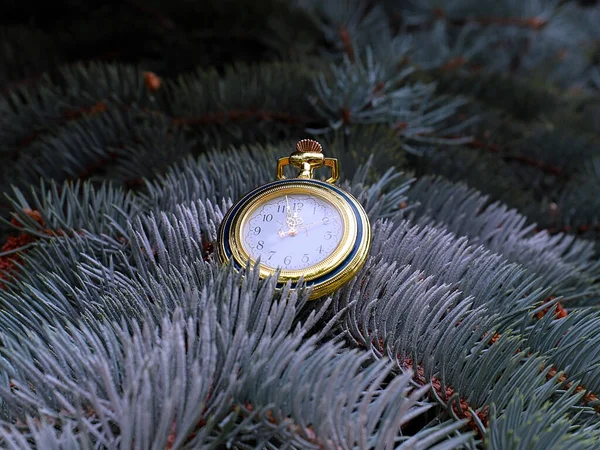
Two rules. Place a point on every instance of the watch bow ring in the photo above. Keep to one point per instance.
(304, 227)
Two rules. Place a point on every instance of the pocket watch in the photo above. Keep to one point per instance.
(302, 227)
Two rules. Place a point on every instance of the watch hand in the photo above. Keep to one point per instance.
(296, 221)
(315, 223)
(324, 220)
(292, 220)
(291, 223)
(288, 210)
(293, 230)
(290, 232)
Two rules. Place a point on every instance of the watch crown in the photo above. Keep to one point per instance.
(309, 146)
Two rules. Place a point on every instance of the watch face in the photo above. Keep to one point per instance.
(292, 231)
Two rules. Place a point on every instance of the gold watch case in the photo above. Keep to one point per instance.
(349, 255)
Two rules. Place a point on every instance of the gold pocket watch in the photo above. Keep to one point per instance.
(303, 227)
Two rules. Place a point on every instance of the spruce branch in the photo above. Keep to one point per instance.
(508, 290)
(245, 92)
(347, 25)
(541, 423)
(155, 354)
(571, 347)
(417, 12)
(438, 49)
(78, 89)
(564, 262)
(72, 207)
(387, 321)
(369, 91)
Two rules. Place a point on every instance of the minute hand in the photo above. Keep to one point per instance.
(293, 230)
(312, 223)
(288, 210)
(322, 222)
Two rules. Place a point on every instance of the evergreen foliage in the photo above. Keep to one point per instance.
(468, 130)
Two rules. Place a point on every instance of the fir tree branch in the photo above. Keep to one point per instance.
(224, 117)
(522, 159)
(535, 23)
(506, 232)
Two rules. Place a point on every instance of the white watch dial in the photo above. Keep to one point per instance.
(293, 232)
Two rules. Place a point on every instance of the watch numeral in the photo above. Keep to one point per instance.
(305, 258)
(287, 260)
(328, 235)
(280, 208)
(325, 219)
(298, 206)
(271, 253)
(320, 249)
(267, 217)
(260, 245)
(257, 231)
